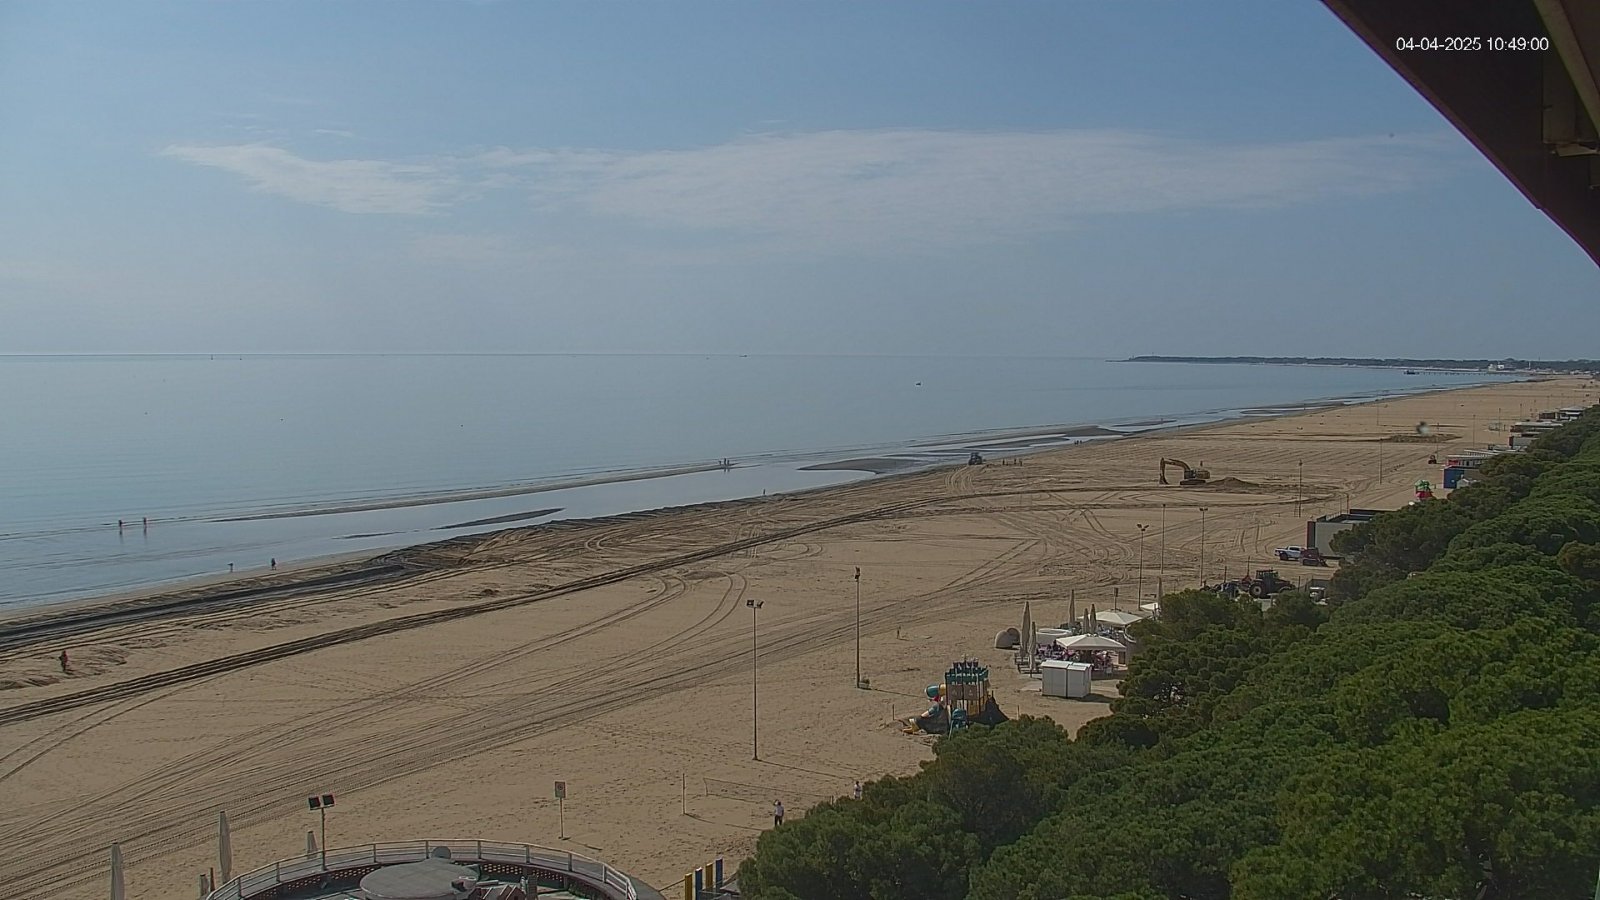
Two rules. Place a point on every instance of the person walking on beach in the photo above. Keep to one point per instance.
(274, 564)
(777, 813)
(230, 567)
(65, 669)
(858, 789)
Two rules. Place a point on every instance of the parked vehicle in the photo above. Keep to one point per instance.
(1289, 554)
(1311, 556)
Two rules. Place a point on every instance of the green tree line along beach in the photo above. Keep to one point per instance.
(1433, 730)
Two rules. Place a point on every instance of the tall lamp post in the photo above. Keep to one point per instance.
(321, 804)
(1142, 529)
(1203, 544)
(755, 751)
(858, 626)
(1300, 486)
(1162, 565)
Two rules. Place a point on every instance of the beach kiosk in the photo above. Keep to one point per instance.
(1066, 679)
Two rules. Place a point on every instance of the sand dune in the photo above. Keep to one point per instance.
(616, 655)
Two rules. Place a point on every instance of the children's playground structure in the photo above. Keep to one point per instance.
(963, 698)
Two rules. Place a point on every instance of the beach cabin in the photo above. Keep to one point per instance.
(1066, 679)
(1459, 465)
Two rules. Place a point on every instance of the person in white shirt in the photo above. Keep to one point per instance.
(777, 813)
(858, 790)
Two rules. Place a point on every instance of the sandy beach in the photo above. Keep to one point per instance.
(616, 655)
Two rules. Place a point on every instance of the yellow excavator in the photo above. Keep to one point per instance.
(1190, 476)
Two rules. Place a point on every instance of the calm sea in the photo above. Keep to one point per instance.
(189, 442)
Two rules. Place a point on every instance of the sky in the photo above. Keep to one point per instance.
(1060, 177)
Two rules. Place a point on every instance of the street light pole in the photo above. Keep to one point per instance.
(1203, 545)
(1300, 486)
(858, 626)
(321, 802)
(1163, 564)
(1141, 561)
(755, 750)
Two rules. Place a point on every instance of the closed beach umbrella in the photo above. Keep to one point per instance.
(311, 844)
(117, 890)
(1072, 607)
(224, 848)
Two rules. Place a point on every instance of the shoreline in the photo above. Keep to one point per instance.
(187, 592)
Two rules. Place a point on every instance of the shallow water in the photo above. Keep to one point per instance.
(188, 441)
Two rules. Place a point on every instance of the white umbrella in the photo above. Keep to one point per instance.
(311, 844)
(118, 892)
(224, 848)
(1119, 619)
(1090, 642)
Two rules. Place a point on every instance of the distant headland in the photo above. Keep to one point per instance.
(1586, 366)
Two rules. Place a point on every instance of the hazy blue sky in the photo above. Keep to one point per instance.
(1053, 177)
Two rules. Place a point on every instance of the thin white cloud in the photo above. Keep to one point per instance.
(863, 190)
(350, 185)
(954, 186)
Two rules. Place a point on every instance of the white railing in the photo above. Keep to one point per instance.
(466, 852)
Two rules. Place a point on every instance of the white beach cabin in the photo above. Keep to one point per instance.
(1066, 679)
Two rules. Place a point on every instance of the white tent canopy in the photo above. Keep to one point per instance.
(1117, 618)
(1090, 642)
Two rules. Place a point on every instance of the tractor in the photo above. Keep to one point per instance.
(1264, 583)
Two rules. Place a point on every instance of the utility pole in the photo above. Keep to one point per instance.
(755, 721)
(1203, 544)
